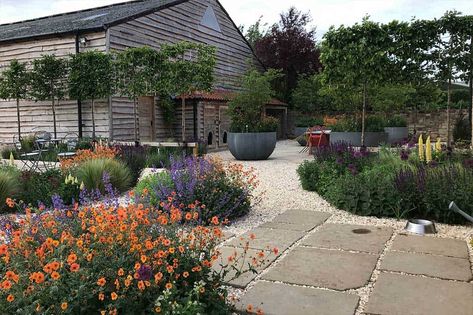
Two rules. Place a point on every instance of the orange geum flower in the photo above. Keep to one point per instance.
(55, 265)
(143, 258)
(101, 282)
(141, 285)
(64, 306)
(10, 203)
(89, 257)
(169, 269)
(3, 249)
(121, 272)
(169, 286)
(114, 296)
(149, 245)
(55, 275)
(75, 267)
(158, 277)
(6, 285)
(71, 258)
(185, 274)
(101, 296)
(249, 308)
(10, 298)
(214, 220)
(48, 268)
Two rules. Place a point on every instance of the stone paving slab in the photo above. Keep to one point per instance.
(245, 278)
(281, 239)
(297, 220)
(431, 245)
(402, 294)
(330, 269)
(302, 217)
(423, 264)
(283, 299)
(362, 238)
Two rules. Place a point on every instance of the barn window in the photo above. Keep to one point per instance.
(210, 19)
(210, 138)
(225, 137)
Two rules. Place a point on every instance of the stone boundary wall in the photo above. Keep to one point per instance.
(434, 122)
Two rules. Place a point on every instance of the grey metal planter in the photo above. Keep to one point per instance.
(396, 134)
(372, 139)
(252, 145)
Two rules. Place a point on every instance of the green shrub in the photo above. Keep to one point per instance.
(309, 174)
(396, 121)
(346, 124)
(306, 121)
(375, 123)
(91, 173)
(150, 182)
(40, 187)
(9, 185)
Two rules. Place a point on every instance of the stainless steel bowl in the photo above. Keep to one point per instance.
(419, 226)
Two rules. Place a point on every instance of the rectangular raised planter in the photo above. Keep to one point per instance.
(372, 139)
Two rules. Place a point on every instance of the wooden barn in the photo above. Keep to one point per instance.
(117, 27)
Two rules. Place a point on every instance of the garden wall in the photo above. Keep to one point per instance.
(434, 122)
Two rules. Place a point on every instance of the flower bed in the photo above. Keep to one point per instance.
(115, 260)
(391, 183)
(225, 190)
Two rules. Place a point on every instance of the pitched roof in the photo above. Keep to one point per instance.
(84, 20)
(219, 95)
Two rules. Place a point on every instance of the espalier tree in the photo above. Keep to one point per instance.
(14, 84)
(136, 69)
(187, 67)
(449, 53)
(357, 57)
(90, 78)
(49, 82)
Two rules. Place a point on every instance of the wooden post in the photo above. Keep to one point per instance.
(18, 116)
(93, 119)
(363, 113)
(449, 92)
(54, 119)
(183, 103)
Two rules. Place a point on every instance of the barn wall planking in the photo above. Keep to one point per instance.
(38, 115)
(172, 25)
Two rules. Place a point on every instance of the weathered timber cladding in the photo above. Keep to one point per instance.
(173, 25)
(37, 116)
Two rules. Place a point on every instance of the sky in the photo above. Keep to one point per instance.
(245, 12)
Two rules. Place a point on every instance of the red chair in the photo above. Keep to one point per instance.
(317, 137)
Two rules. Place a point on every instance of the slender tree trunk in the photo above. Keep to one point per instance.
(183, 103)
(93, 119)
(18, 117)
(363, 114)
(54, 119)
(135, 125)
(471, 109)
(449, 92)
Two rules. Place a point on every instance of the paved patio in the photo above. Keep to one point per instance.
(321, 266)
(335, 262)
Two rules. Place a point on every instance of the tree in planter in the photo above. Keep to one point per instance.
(448, 54)
(48, 81)
(187, 67)
(247, 109)
(90, 78)
(137, 70)
(14, 84)
(357, 57)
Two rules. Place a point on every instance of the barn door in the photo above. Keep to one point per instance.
(146, 117)
(223, 126)
(210, 125)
